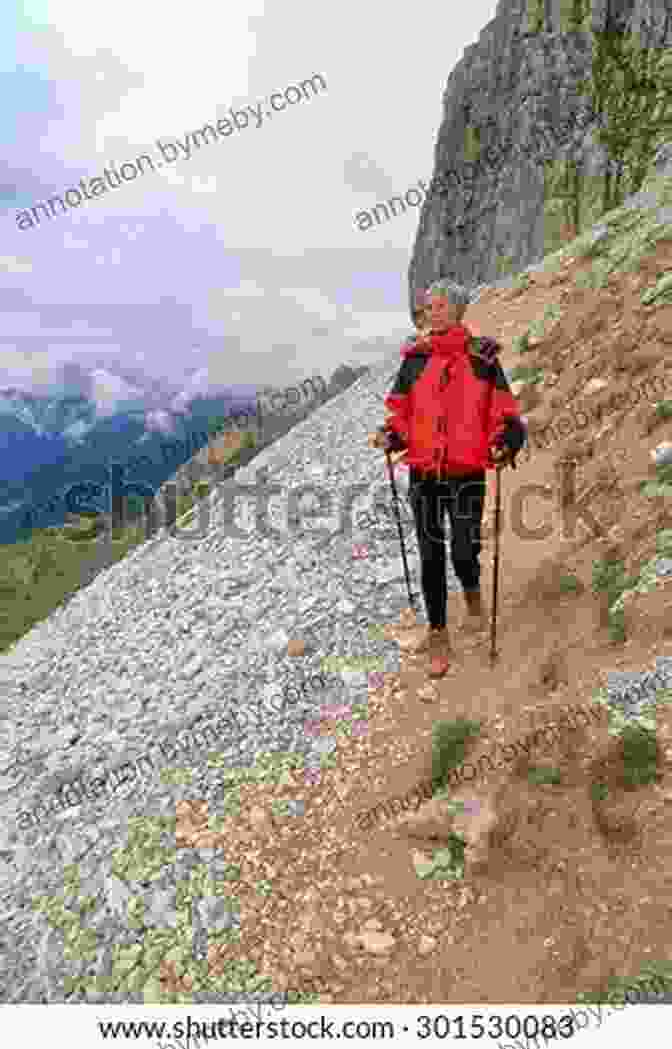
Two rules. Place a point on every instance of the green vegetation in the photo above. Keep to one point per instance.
(569, 584)
(446, 864)
(448, 745)
(639, 755)
(521, 343)
(654, 978)
(537, 329)
(662, 484)
(599, 792)
(660, 292)
(523, 373)
(505, 264)
(627, 96)
(629, 91)
(609, 577)
(664, 409)
(522, 283)
(543, 774)
(613, 580)
(617, 632)
(37, 573)
(472, 144)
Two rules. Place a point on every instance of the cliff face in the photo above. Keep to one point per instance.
(515, 93)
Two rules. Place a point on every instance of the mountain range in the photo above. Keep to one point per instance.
(71, 432)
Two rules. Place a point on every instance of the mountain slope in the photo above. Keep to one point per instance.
(514, 107)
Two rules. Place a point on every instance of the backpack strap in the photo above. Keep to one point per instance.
(476, 349)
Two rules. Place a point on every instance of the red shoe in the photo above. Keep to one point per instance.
(439, 653)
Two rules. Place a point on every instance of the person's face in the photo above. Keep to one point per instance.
(422, 318)
(443, 314)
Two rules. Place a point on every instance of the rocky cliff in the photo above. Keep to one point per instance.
(512, 102)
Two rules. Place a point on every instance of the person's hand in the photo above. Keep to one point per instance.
(424, 337)
(380, 440)
(501, 456)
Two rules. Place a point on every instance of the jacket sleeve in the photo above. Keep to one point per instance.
(505, 426)
(398, 407)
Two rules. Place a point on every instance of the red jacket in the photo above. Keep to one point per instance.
(451, 403)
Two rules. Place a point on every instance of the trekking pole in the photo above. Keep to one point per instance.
(493, 623)
(395, 500)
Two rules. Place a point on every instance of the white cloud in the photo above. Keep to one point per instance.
(160, 421)
(111, 392)
(275, 204)
(10, 264)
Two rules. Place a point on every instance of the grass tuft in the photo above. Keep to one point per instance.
(448, 746)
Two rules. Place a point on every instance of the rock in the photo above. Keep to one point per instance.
(296, 648)
(439, 817)
(260, 820)
(662, 455)
(432, 821)
(469, 227)
(428, 694)
(277, 641)
(427, 945)
(421, 861)
(376, 942)
(373, 923)
(594, 386)
(475, 826)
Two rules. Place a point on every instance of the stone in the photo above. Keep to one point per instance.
(662, 455)
(296, 648)
(469, 813)
(481, 213)
(594, 386)
(379, 943)
(261, 821)
(426, 945)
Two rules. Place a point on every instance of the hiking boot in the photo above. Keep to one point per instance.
(475, 609)
(439, 652)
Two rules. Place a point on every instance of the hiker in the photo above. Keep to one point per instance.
(453, 413)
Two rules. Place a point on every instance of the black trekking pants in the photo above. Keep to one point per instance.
(464, 498)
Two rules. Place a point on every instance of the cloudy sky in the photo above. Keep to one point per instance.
(241, 263)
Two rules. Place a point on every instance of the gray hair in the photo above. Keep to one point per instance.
(456, 294)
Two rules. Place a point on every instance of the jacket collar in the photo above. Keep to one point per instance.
(449, 344)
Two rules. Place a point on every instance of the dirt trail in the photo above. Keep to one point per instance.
(567, 892)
